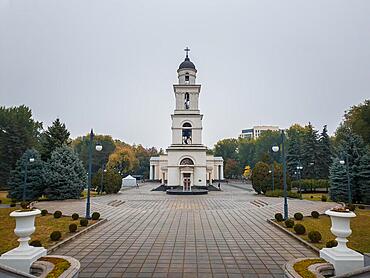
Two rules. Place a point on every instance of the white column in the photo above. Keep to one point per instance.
(151, 172)
(222, 172)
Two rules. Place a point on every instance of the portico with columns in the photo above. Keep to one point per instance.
(186, 162)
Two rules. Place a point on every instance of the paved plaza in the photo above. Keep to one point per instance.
(152, 234)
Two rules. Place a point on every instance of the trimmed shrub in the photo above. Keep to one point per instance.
(55, 236)
(315, 214)
(1, 201)
(310, 185)
(311, 197)
(324, 198)
(12, 205)
(57, 214)
(72, 228)
(331, 243)
(299, 229)
(95, 216)
(351, 207)
(298, 216)
(75, 216)
(280, 193)
(84, 222)
(44, 212)
(36, 243)
(361, 206)
(289, 223)
(314, 236)
(279, 217)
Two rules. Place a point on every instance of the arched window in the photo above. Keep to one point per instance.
(187, 77)
(186, 134)
(187, 101)
(186, 161)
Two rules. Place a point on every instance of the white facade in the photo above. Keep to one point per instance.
(186, 162)
(256, 131)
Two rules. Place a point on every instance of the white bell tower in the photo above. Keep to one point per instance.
(187, 154)
(186, 163)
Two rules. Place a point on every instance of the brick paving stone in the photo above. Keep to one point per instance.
(152, 234)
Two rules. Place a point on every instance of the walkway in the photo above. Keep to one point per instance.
(152, 234)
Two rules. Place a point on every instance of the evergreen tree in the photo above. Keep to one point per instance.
(33, 186)
(309, 153)
(18, 132)
(364, 178)
(55, 136)
(64, 175)
(352, 149)
(338, 181)
(323, 154)
(293, 157)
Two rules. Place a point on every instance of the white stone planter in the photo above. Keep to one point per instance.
(24, 255)
(343, 258)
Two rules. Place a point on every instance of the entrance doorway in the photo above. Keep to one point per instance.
(186, 182)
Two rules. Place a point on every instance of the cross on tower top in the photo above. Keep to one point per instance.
(187, 51)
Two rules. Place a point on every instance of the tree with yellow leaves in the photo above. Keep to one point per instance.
(247, 172)
(123, 159)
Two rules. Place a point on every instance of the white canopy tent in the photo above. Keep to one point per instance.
(128, 181)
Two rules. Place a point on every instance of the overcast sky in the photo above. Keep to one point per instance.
(110, 64)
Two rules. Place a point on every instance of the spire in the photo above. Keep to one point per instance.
(187, 52)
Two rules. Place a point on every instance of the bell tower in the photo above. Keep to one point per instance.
(186, 119)
(186, 163)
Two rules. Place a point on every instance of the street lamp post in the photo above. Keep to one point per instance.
(299, 169)
(276, 149)
(102, 178)
(31, 160)
(98, 147)
(348, 179)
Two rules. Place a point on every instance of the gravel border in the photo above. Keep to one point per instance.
(307, 244)
(74, 236)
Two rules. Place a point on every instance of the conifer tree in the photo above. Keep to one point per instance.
(338, 181)
(364, 178)
(65, 175)
(293, 157)
(32, 186)
(309, 153)
(352, 149)
(55, 136)
(323, 154)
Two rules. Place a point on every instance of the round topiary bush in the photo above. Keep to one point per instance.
(75, 216)
(84, 222)
(57, 214)
(314, 236)
(36, 243)
(361, 206)
(299, 229)
(1, 201)
(95, 216)
(72, 227)
(298, 216)
(55, 236)
(289, 223)
(12, 205)
(311, 197)
(279, 217)
(331, 243)
(351, 207)
(44, 212)
(324, 198)
(315, 214)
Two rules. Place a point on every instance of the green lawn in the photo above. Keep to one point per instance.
(3, 197)
(359, 240)
(45, 225)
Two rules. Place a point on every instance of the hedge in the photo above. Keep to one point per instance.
(310, 185)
